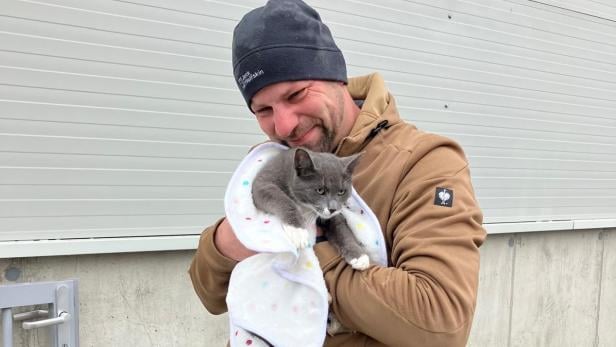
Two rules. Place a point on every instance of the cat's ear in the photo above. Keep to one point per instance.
(350, 163)
(303, 163)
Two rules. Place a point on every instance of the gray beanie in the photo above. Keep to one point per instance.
(285, 40)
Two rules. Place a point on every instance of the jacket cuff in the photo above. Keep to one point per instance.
(217, 260)
(328, 255)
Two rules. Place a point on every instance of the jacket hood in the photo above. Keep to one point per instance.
(379, 105)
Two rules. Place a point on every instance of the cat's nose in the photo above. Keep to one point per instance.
(331, 210)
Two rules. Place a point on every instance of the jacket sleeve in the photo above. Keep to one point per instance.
(210, 272)
(426, 297)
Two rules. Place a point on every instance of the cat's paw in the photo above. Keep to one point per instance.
(360, 263)
(299, 237)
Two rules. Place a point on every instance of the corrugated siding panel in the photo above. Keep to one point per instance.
(117, 119)
(123, 119)
(604, 9)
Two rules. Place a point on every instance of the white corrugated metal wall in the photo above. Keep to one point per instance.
(122, 119)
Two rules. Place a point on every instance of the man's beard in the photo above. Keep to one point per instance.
(325, 143)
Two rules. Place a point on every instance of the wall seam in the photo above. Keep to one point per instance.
(602, 235)
(514, 238)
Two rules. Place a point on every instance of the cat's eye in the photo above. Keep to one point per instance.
(341, 191)
(320, 190)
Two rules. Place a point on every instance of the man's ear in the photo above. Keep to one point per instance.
(351, 162)
(303, 163)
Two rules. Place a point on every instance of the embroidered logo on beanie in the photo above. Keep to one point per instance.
(248, 77)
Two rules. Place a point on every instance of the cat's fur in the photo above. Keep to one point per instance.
(299, 186)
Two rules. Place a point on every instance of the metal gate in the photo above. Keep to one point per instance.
(62, 316)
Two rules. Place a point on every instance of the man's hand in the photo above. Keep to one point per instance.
(227, 243)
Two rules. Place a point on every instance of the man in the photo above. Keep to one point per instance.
(293, 78)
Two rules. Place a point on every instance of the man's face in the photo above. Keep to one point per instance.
(301, 113)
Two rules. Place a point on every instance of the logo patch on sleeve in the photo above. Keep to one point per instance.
(443, 197)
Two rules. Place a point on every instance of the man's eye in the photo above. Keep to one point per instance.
(263, 111)
(297, 95)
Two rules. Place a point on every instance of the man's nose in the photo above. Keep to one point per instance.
(285, 122)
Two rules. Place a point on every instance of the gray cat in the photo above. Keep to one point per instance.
(300, 186)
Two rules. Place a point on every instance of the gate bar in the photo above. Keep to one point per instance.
(7, 327)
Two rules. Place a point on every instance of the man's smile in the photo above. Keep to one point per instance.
(303, 138)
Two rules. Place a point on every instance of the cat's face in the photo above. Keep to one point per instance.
(323, 181)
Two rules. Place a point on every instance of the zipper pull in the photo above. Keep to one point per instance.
(382, 125)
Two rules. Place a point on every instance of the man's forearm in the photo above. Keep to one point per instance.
(396, 308)
(210, 271)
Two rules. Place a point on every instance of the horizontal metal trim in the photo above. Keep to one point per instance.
(522, 227)
(41, 248)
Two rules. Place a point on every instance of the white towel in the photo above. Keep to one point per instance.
(279, 294)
